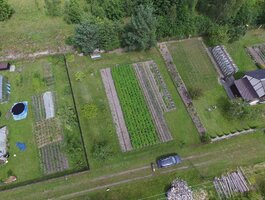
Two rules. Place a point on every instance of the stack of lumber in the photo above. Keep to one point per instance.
(179, 191)
(231, 183)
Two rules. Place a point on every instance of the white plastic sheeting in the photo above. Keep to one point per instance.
(49, 104)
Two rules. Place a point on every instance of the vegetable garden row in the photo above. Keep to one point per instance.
(137, 117)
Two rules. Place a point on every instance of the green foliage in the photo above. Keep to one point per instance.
(113, 9)
(5, 10)
(89, 111)
(218, 35)
(140, 33)
(195, 93)
(95, 33)
(137, 117)
(205, 138)
(239, 110)
(72, 12)
(53, 7)
(79, 76)
(102, 150)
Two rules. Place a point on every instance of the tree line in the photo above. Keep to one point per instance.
(138, 24)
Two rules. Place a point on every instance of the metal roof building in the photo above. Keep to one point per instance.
(224, 61)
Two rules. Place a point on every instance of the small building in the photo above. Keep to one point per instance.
(4, 66)
(96, 54)
(3, 144)
(251, 87)
(224, 61)
(4, 89)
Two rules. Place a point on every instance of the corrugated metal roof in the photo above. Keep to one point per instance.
(257, 74)
(246, 90)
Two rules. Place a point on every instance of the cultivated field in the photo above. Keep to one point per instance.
(90, 90)
(41, 136)
(137, 117)
(197, 71)
(30, 30)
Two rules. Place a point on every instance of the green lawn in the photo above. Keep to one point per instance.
(238, 52)
(25, 84)
(197, 70)
(30, 29)
(90, 90)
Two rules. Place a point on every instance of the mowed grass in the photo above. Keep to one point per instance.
(137, 117)
(30, 81)
(30, 30)
(197, 71)
(91, 90)
(204, 162)
(238, 52)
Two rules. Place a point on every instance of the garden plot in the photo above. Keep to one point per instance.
(53, 159)
(116, 111)
(48, 75)
(166, 96)
(47, 132)
(43, 105)
(257, 53)
(153, 98)
(137, 117)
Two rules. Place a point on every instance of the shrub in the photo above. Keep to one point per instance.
(205, 138)
(195, 93)
(72, 12)
(101, 150)
(89, 110)
(53, 7)
(5, 10)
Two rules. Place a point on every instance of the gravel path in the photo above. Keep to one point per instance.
(155, 104)
(116, 110)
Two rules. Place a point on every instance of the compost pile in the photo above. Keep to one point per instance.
(179, 191)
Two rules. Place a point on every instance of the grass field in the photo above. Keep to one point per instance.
(24, 85)
(30, 29)
(197, 70)
(137, 117)
(238, 52)
(208, 161)
(90, 90)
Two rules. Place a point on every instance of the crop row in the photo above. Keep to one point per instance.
(137, 117)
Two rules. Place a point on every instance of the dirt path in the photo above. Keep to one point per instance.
(116, 111)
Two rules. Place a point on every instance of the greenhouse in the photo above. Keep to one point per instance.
(4, 89)
(224, 61)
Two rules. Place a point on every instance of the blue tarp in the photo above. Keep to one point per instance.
(21, 146)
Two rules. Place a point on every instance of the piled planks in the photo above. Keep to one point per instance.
(179, 191)
(227, 185)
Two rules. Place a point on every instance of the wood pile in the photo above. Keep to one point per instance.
(179, 191)
(227, 185)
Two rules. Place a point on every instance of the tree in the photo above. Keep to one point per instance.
(113, 9)
(93, 33)
(72, 12)
(140, 33)
(5, 10)
(53, 7)
(218, 35)
(86, 37)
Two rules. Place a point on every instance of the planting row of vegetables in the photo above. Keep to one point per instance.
(137, 117)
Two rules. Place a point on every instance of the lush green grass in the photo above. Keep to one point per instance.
(30, 29)
(91, 90)
(238, 52)
(25, 84)
(197, 71)
(215, 160)
(137, 117)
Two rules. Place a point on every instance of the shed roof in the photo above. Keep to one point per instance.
(246, 90)
(4, 65)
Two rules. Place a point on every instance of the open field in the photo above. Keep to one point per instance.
(200, 165)
(30, 30)
(26, 82)
(238, 52)
(137, 116)
(90, 89)
(197, 71)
